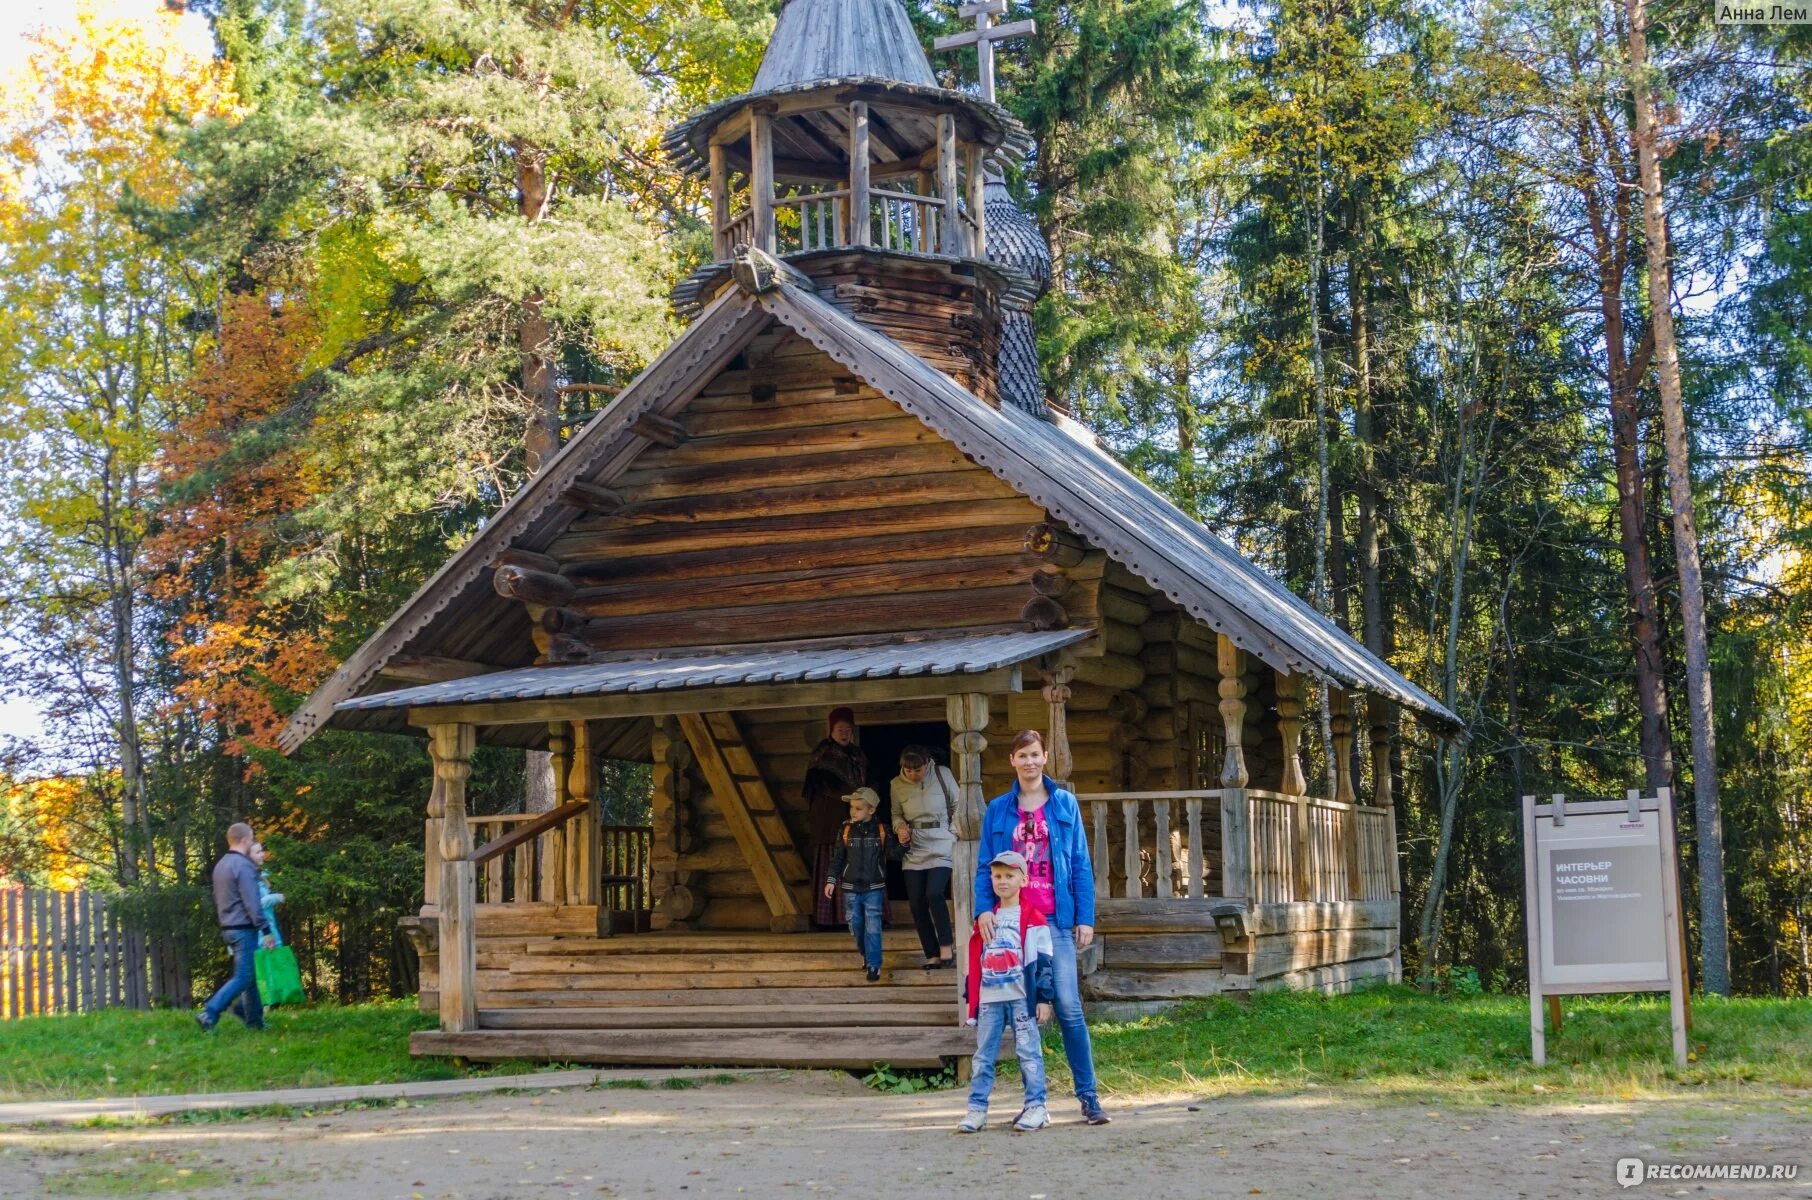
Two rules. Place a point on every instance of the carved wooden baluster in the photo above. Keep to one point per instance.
(1162, 867)
(1103, 886)
(431, 843)
(1198, 865)
(1129, 851)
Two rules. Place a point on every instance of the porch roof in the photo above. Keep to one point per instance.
(829, 660)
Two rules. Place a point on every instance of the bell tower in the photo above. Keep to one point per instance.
(847, 160)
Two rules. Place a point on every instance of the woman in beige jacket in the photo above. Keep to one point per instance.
(924, 799)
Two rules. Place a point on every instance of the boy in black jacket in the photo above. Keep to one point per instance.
(859, 867)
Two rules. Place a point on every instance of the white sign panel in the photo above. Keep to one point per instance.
(1603, 904)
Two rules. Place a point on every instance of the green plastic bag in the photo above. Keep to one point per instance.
(279, 979)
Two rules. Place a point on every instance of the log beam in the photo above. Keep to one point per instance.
(663, 431)
(592, 498)
(531, 586)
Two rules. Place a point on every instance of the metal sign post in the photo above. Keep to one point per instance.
(1602, 901)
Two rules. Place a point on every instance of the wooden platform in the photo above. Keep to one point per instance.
(707, 999)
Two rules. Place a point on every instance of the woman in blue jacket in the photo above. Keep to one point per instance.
(1042, 822)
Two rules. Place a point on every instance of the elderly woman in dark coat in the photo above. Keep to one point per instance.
(838, 767)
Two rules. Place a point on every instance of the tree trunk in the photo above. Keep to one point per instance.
(534, 335)
(1317, 238)
(1714, 933)
(1609, 219)
(1381, 712)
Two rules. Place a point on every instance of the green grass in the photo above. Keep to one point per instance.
(1398, 1040)
(1383, 1041)
(124, 1053)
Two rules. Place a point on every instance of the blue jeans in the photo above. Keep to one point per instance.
(990, 1025)
(243, 986)
(865, 922)
(1076, 1046)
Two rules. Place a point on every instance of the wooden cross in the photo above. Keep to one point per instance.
(983, 37)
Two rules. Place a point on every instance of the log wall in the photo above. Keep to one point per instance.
(795, 502)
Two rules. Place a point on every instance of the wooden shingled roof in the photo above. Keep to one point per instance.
(1063, 471)
(1068, 475)
(815, 40)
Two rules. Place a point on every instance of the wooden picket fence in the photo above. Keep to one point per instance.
(67, 952)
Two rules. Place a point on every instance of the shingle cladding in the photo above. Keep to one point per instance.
(679, 669)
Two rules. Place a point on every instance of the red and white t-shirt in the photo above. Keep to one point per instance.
(1032, 839)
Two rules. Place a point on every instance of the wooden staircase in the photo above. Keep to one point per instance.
(754, 819)
(707, 999)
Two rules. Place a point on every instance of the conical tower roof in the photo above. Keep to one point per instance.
(842, 39)
(852, 50)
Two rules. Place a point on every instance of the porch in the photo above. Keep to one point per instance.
(1199, 892)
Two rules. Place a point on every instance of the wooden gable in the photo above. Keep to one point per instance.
(794, 501)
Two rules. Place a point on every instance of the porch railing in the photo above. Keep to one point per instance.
(811, 221)
(547, 858)
(1265, 846)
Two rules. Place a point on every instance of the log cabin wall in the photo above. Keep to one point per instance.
(794, 501)
(943, 312)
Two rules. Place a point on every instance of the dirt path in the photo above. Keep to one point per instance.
(821, 1134)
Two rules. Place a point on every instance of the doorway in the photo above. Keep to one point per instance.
(883, 744)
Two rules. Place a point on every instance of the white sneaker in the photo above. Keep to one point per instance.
(1034, 1117)
(973, 1120)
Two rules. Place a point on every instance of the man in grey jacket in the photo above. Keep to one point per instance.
(242, 920)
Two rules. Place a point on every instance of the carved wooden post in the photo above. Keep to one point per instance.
(951, 234)
(1289, 729)
(761, 181)
(1291, 782)
(967, 714)
(1056, 693)
(451, 746)
(858, 173)
(582, 784)
(1236, 824)
(1340, 725)
(975, 183)
(1378, 713)
(1232, 662)
(553, 843)
(720, 202)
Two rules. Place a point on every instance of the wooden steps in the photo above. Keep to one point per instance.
(757, 1015)
(878, 994)
(708, 999)
(853, 1046)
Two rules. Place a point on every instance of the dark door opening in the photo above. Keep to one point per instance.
(883, 744)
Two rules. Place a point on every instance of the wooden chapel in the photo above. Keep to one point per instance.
(842, 485)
